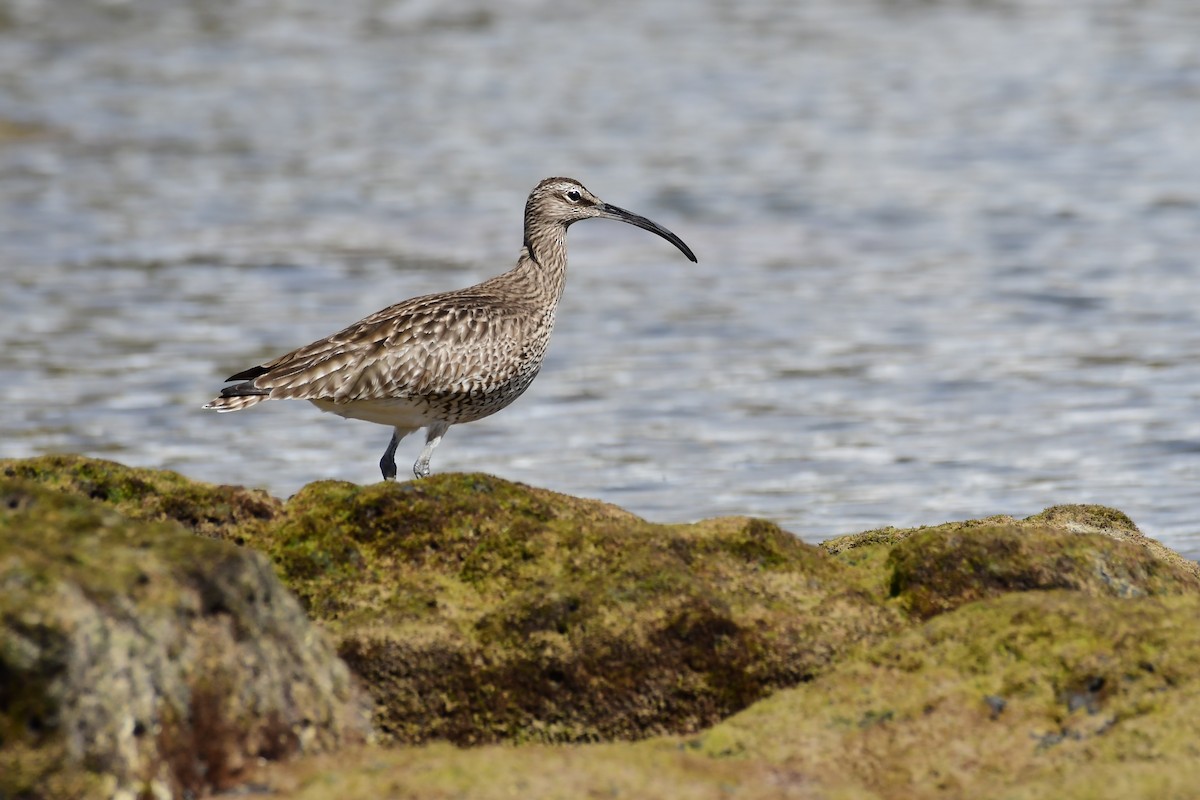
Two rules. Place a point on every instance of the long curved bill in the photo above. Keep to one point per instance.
(614, 212)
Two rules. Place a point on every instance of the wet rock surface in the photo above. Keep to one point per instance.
(138, 656)
(484, 610)
(1045, 657)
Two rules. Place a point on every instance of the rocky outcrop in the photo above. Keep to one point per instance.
(478, 609)
(150, 494)
(1028, 694)
(1089, 549)
(1052, 656)
(137, 659)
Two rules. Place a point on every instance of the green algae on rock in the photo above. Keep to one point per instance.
(149, 494)
(135, 656)
(1054, 656)
(659, 769)
(936, 571)
(1027, 696)
(478, 609)
(1085, 547)
(1017, 696)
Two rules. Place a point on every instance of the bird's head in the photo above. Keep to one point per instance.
(563, 201)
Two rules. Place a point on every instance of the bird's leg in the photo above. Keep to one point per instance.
(433, 436)
(387, 464)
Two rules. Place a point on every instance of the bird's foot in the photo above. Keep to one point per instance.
(388, 467)
(432, 437)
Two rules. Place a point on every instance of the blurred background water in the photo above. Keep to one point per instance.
(948, 250)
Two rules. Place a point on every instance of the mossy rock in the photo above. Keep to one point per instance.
(1046, 657)
(478, 609)
(1088, 548)
(1023, 695)
(658, 769)
(138, 657)
(149, 494)
(1027, 696)
(936, 571)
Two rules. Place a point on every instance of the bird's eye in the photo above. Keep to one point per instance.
(573, 196)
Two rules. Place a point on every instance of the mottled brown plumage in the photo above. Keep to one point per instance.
(442, 359)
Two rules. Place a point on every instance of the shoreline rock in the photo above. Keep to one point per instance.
(991, 657)
(135, 656)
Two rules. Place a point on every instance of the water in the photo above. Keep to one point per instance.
(948, 251)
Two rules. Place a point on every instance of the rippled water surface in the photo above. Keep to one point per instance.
(948, 250)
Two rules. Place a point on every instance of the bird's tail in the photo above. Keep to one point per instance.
(235, 398)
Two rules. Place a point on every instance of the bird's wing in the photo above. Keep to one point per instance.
(427, 345)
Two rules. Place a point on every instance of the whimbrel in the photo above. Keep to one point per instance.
(448, 358)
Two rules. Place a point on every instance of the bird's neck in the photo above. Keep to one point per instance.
(543, 262)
